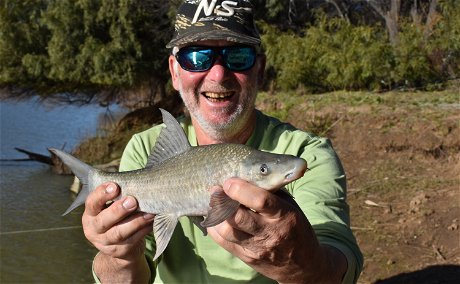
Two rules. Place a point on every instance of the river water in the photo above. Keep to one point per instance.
(37, 244)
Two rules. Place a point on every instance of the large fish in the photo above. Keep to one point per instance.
(181, 180)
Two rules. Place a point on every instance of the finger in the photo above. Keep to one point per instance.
(114, 214)
(98, 198)
(230, 233)
(247, 222)
(254, 197)
(126, 247)
(244, 253)
(130, 230)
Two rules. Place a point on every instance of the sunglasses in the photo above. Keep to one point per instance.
(202, 58)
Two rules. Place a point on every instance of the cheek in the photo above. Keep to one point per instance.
(189, 80)
(249, 79)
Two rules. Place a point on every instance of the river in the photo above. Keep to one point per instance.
(37, 244)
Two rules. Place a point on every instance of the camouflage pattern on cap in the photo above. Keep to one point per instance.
(199, 20)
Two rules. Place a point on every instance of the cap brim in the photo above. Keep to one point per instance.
(213, 35)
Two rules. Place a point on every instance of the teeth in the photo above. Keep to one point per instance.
(218, 95)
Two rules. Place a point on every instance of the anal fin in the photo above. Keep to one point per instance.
(222, 207)
(163, 228)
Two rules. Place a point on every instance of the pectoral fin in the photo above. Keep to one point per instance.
(222, 207)
(163, 228)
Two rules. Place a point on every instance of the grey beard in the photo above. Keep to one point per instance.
(224, 131)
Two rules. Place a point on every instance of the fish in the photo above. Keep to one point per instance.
(181, 180)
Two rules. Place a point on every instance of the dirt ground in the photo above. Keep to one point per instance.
(401, 153)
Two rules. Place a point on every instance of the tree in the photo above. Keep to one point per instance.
(112, 48)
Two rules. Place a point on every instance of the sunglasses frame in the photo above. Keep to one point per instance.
(215, 52)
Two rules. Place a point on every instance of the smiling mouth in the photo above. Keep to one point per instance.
(218, 97)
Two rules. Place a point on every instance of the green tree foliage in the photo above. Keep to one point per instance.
(116, 48)
(83, 45)
(334, 54)
(412, 66)
(446, 38)
(22, 39)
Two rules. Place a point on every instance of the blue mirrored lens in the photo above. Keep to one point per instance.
(198, 59)
(195, 59)
(239, 58)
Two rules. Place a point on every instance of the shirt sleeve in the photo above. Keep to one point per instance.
(321, 194)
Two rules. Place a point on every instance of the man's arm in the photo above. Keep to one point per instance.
(277, 240)
(118, 233)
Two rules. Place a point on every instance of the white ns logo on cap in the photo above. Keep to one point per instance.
(225, 9)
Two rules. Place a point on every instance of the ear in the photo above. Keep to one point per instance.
(261, 61)
(173, 71)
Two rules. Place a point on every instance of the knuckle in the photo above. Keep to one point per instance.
(252, 257)
(262, 202)
(223, 228)
(116, 235)
(243, 219)
(110, 250)
(94, 202)
(240, 217)
(88, 235)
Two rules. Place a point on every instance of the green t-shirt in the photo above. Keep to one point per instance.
(193, 258)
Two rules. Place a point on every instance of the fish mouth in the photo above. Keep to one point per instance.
(217, 97)
(299, 170)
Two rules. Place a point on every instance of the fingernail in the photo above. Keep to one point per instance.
(110, 188)
(148, 216)
(129, 203)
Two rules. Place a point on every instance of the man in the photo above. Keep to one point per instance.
(217, 67)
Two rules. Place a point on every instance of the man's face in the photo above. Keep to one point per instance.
(221, 101)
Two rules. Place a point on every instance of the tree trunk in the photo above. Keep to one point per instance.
(431, 19)
(391, 17)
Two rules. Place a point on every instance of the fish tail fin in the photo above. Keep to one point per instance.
(81, 170)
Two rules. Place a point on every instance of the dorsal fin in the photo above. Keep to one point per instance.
(171, 141)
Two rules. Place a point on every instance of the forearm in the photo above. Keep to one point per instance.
(112, 270)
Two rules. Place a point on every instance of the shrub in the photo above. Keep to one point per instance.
(331, 55)
(412, 67)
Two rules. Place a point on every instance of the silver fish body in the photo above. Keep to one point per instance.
(183, 184)
(180, 180)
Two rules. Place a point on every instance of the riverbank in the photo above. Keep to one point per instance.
(400, 151)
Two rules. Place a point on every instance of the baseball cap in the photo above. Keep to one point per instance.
(199, 20)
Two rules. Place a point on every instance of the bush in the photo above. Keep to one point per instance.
(412, 67)
(332, 55)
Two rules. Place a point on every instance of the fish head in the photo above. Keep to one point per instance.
(272, 171)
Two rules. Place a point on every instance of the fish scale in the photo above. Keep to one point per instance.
(173, 179)
(178, 179)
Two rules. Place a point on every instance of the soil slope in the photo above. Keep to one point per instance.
(401, 155)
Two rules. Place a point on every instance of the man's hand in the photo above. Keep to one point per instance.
(118, 232)
(275, 238)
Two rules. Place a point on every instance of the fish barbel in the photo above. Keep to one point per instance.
(181, 180)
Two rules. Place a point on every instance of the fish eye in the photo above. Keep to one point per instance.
(264, 169)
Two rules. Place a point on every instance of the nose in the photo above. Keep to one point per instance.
(218, 73)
